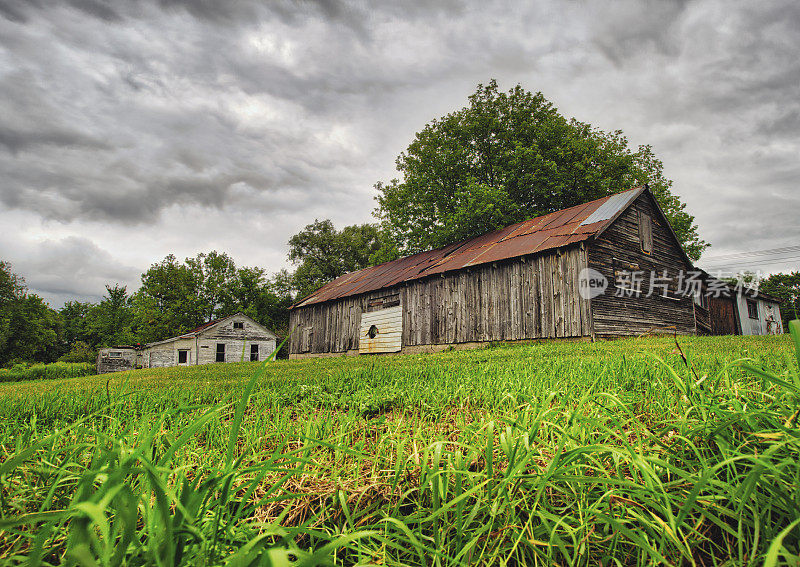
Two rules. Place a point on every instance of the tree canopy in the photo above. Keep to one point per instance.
(174, 297)
(323, 253)
(177, 296)
(28, 327)
(505, 158)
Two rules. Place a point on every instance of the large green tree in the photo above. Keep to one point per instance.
(508, 157)
(76, 318)
(212, 273)
(323, 253)
(112, 319)
(264, 299)
(28, 327)
(168, 302)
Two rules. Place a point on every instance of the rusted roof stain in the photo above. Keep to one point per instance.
(547, 232)
(203, 326)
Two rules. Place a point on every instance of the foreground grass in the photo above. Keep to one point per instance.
(574, 453)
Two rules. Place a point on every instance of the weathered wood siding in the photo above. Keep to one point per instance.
(702, 319)
(166, 354)
(525, 298)
(723, 315)
(621, 245)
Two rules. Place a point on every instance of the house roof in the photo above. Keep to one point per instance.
(546, 232)
(203, 326)
(197, 330)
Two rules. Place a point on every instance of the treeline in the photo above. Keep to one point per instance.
(174, 296)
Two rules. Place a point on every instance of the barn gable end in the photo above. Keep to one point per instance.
(623, 247)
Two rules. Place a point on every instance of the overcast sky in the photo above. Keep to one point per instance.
(132, 129)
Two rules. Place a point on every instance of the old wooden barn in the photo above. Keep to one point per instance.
(557, 275)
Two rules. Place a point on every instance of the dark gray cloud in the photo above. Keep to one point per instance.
(72, 268)
(144, 127)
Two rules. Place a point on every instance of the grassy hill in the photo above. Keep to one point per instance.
(566, 452)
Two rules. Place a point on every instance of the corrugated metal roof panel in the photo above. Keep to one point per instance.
(611, 206)
(554, 230)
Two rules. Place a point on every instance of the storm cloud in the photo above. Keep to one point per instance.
(130, 129)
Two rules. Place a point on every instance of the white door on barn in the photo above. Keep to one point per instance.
(381, 331)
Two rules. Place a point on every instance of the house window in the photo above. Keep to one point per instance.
(253, 353)
(183, 356)
(752, 309)
(238, 324)
(646, 233)
(220, 352)
(115, 354)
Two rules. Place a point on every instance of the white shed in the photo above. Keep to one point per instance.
(759, 314)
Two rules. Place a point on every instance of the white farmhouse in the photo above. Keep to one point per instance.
(230, 339)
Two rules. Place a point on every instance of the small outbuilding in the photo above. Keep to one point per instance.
(610, 267)
(230, 339)
(737, 309)
(760, 314)
(118, 358)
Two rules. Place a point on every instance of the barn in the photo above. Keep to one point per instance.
(610, 267)
(229, 339)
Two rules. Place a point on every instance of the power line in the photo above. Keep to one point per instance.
(765, 252)
(766, 261)
(755, 260)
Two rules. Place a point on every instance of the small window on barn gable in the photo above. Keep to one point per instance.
(114, 354)
(646, 232)
(238, 324)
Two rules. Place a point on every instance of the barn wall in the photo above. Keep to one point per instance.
(332, 326)
(517, 299)
(620, 247)
(702, 318)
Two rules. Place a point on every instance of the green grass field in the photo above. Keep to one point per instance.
(612, 453)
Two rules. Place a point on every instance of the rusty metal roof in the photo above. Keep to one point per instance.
(547, 232)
